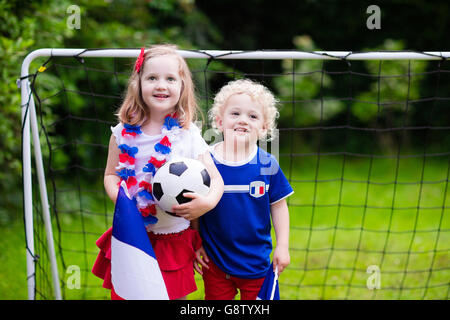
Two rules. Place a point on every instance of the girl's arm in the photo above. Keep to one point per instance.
(217, 185)
(202, 204)
(111, 179)
(280, 218)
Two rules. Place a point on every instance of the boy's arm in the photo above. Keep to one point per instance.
(195, 224)
(280, 218)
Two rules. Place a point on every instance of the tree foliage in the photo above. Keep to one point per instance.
(30, 25)
(23, 27)
(206, 24)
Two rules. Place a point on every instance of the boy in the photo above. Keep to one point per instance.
(236, 233)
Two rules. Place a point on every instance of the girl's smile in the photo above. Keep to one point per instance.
(161, 96)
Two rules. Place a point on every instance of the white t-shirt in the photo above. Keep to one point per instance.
(189, 144)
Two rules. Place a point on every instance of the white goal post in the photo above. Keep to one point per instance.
(30, 124)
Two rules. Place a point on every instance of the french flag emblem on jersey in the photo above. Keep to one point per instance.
(135, 274)
(257, 189)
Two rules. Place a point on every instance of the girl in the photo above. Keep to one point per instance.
(156, 124)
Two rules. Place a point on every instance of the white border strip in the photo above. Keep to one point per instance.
(240, 188)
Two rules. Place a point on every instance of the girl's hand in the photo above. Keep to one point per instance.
(193, 209)
(201, 258)
(281, 258)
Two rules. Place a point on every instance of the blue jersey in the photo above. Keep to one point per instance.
(236, 233)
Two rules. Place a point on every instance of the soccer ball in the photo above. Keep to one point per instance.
(176, 177)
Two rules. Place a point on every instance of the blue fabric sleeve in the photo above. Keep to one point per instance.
(279, 186)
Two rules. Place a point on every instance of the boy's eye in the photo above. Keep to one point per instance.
(235, 113)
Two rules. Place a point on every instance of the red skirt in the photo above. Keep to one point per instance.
(175, 254)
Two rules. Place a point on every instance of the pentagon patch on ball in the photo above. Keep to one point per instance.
(182, 199)
(206, 178)
(177, 168)
(176, 177)
(157, 190)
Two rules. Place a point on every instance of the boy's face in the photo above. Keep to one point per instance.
(242, 120)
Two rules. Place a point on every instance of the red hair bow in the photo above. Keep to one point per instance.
(139, 60)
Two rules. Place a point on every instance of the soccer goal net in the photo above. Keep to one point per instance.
(363, 138)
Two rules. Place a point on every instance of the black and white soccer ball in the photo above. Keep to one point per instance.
(176, 177)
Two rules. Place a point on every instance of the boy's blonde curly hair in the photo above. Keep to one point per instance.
(257, 92)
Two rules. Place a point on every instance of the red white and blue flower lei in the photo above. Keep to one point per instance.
(142, 190)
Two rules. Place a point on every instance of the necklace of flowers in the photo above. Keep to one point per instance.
(142, 190)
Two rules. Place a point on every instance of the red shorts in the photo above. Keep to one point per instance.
(221, 286)
(176, 254)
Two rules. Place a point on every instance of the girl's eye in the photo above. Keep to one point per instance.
(254, 116)
(235, 113)
(171, 79)
(152, 78)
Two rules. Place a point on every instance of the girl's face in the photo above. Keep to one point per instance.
(161, 84)
(242, 119)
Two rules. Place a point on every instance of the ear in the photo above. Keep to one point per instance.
(179, 106)
(263, 132)
(181, 91)
(219, 123)
(182, 88)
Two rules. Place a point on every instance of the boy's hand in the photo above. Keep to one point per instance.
(201, 258)
(193, 209)
(281, 258)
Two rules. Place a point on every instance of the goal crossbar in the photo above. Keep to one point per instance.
(30, 124)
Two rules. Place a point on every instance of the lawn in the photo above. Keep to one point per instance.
(394, 222)
(345, 216)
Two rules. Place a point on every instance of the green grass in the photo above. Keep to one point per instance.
(339, 227)
(13, 284)
(400, 227)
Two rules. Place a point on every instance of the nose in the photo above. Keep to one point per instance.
(242, 119)
(161, 85)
